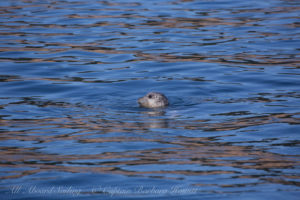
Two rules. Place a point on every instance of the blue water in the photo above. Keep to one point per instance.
(71, 72)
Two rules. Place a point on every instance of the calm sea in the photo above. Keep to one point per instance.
(71, 72)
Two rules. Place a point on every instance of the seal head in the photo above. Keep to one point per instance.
(153, 100)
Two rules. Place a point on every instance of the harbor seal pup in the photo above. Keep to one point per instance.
(153, 100)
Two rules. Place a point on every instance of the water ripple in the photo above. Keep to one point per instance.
(71, 72)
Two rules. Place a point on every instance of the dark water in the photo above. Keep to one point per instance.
(71, 72)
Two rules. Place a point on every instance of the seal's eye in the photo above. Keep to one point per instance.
(149, 96)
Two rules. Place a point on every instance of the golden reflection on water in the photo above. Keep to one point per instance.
(198, 151)
(204, 22)
(32, 41)
(240, 58)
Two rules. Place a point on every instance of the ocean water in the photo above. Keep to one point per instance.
(71, 72)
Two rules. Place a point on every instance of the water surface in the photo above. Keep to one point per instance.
(71, 72)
